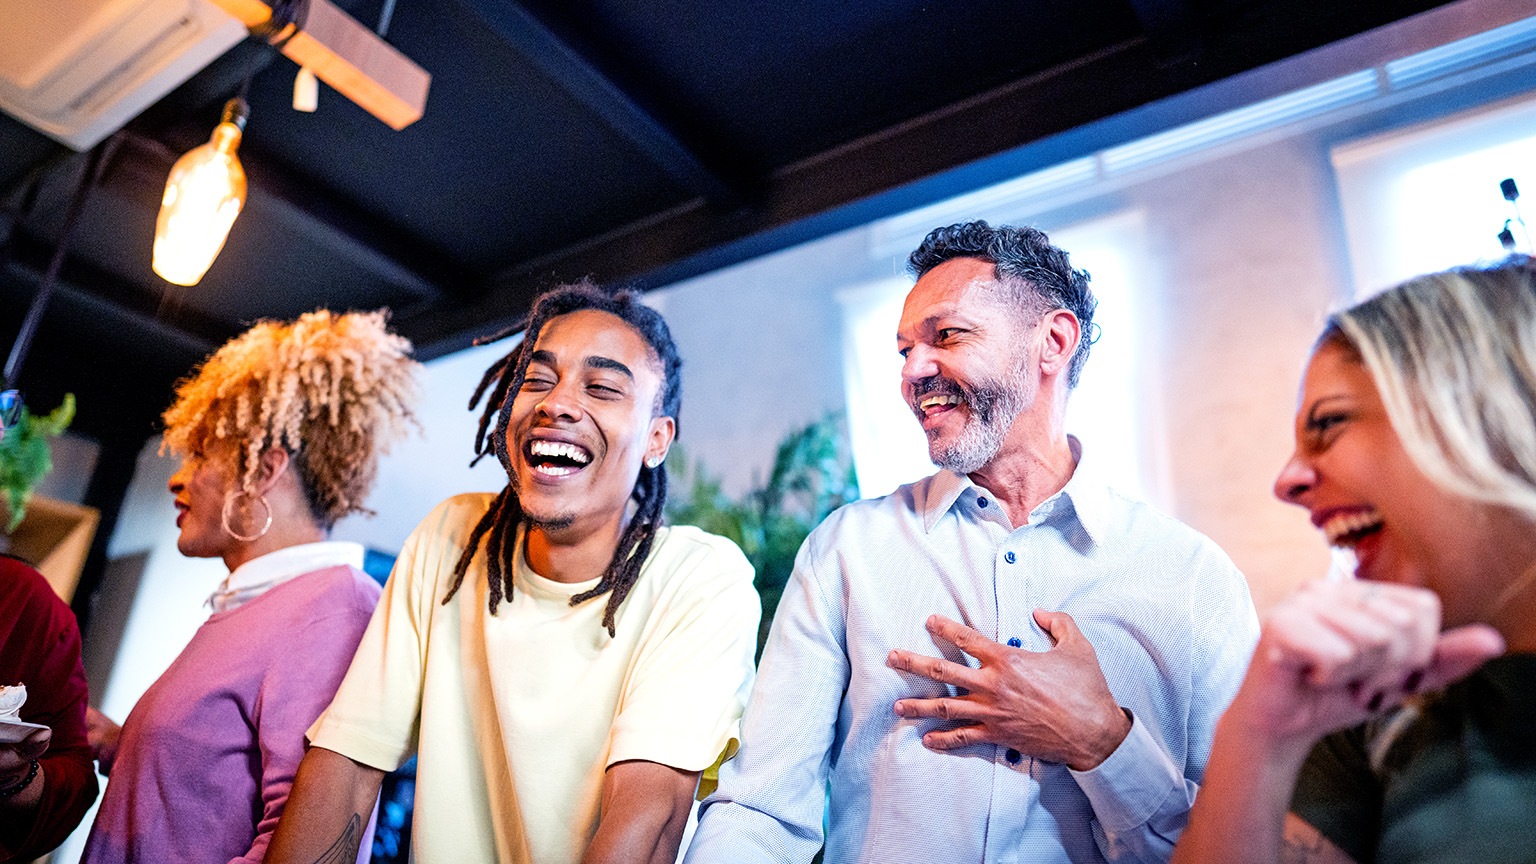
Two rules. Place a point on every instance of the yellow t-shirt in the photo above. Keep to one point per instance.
(515, 717)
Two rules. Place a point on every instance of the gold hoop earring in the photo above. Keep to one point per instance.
(239, 506)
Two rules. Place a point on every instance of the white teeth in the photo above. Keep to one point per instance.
(554, 470)
(1341, 526)
(560, 449)
(938, 399)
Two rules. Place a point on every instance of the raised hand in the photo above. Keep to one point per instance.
(1053, 705)
(1335, 653)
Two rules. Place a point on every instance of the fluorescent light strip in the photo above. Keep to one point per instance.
(993, 199)
(1294, 106)
(1355, 88)
(1462, 54)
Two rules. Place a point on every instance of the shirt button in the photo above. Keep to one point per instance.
(1013, 756)
(1009, 557)
(1013, 642)
(981, 502)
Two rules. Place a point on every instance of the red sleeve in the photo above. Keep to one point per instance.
(40, 647)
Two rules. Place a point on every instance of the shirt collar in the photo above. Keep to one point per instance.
(944, 490)
(1087, 497)
(261, 574)
(1088, 494)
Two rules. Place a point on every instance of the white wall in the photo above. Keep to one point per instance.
(1247, 269)
(762, 350)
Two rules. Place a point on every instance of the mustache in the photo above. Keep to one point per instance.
(936, 384)
(984, 399)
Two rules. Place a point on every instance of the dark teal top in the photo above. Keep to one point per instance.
(1458, 784)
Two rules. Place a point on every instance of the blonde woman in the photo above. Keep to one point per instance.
(279, 434)
(1373, 725)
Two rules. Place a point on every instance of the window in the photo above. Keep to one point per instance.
(1427, 198)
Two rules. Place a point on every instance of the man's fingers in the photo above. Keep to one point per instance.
(935, 668)
(962, 637)
(1459, 652)
(953, 739)
(1058, 624)
(942, 708)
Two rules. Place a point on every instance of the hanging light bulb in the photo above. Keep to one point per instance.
(203, 196)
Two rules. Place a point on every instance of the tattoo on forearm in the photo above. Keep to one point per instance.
(344, 850)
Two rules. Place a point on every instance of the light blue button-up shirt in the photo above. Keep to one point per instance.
(1167, 612)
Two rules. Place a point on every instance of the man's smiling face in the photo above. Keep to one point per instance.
(583, 421)
(967, 371)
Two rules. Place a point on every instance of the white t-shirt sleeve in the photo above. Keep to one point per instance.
(681, 705)
(375, 715)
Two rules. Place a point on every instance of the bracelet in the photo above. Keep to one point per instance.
(11, 791)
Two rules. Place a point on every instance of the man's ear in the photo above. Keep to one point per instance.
(1060, 332)
(663, 431)
(274, 461)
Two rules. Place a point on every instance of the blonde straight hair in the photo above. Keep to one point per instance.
(1454, 357)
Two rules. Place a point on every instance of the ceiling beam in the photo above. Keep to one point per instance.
(802, 200)
(574, 73)
(107, 295)
(1172, 29)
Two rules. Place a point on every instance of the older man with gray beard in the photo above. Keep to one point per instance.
(1087, 642)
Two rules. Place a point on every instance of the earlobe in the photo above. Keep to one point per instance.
(663, 431)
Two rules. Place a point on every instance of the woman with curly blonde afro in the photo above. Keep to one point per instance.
(279, 434)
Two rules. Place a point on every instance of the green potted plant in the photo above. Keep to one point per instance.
(25, 458)
(812, 475)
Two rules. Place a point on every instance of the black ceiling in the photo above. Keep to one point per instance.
(633, 142)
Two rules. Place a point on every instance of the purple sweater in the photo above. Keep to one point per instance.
(208, 754)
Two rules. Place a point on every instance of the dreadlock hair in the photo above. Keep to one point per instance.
(502, 381)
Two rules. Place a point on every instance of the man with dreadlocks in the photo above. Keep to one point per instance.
(563, 665)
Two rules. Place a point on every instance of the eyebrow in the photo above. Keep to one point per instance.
(600, 362)
(596, 361)
(928, 323)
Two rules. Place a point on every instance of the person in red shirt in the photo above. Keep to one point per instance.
(46, 778)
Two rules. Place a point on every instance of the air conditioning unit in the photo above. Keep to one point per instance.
(77, 70)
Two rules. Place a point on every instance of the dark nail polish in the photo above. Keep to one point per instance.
(1354, 689)
(1375, 702)
(1412, 682)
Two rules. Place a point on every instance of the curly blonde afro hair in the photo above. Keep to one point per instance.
(333, 390)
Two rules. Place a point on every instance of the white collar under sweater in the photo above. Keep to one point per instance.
(261, 574)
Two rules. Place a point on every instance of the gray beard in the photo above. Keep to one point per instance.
(993, 406)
